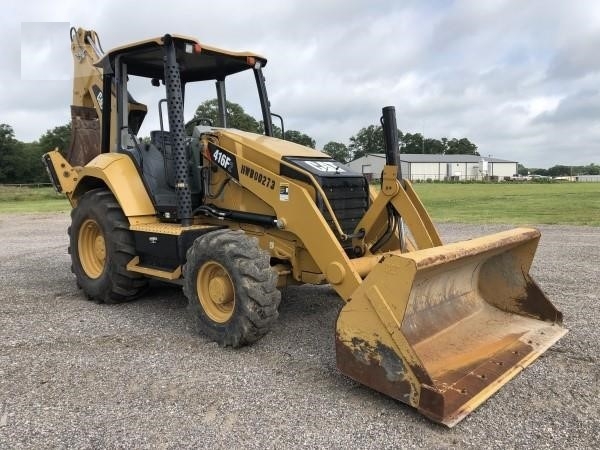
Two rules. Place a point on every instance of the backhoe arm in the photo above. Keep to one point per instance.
(86, 107)
(87, 78)
(88, 98)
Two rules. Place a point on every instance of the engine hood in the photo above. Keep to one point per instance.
(273, 147)
(276, 155)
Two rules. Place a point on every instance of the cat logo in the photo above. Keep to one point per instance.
(325, 166)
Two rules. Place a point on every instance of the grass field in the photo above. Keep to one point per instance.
(29, 200)
(522, 203)
(527, 203)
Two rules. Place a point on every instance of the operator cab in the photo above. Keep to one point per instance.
(175, 62)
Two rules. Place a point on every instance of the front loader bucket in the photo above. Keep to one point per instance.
(444, 328)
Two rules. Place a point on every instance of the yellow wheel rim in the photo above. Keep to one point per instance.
(92, 248)
(215, 292)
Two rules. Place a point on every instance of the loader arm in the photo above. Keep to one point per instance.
(407, 204)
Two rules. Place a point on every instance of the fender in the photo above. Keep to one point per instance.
(114, 170)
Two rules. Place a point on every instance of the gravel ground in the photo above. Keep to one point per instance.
(74, 373)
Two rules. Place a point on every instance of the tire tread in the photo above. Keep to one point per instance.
(257, 296)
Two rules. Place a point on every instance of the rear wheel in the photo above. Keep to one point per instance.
(231, 288)
(101, 245)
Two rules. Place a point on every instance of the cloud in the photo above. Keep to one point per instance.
(576, 60)
(574, 108)
(42, 51)
(520, 79)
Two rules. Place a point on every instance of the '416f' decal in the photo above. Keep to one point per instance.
(224, 159)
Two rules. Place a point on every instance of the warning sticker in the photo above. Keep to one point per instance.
(284, 192)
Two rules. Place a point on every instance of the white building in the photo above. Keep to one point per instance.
(425, 167)
(588, 178)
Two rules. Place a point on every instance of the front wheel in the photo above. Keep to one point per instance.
(231, 288)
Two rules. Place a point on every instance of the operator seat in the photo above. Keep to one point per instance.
(156, 163)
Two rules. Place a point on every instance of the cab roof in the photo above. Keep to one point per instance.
(197, 62)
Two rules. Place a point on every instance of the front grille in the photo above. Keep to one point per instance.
(349, 199)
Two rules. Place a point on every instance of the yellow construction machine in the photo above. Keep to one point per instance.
(233, 216)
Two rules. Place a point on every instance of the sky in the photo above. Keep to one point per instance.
(520, 79)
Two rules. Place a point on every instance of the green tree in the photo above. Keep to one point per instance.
(59, 137)
(236, 116)
(300, 138)
(434, 146)
(337, 151)
(542, 172)
(558, 171)
(522, 170)
(7, 135)
(370, 140)
(33, 170)
(20, 162)
(290, 135)
(276, 129)
(592, 169)
(367, 140)
(460, 147)
(15, 161)
(412, 143)
(8, 148)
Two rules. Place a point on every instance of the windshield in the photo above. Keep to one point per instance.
(200, 103)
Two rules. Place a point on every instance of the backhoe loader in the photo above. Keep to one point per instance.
(233, 216)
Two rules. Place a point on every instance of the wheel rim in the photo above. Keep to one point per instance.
(92, 248)
(215, 292)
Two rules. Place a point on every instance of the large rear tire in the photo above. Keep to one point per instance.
(231, 288)
(101, 245)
